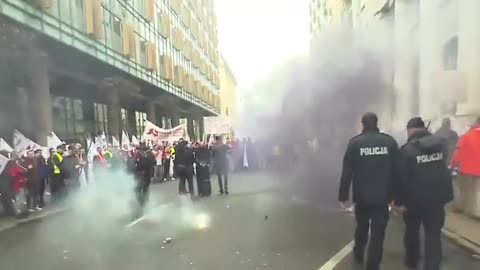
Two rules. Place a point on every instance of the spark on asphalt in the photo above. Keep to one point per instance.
(202, 221)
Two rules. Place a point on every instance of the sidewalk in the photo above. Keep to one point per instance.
(7, 222)
(463, 229)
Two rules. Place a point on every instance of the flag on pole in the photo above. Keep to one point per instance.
(3, 163)
(125, 139)
(245, 158)
(115, 142)
(22, 143)
(103, 140)
(4, 146)
(135, 140)
(53, 141)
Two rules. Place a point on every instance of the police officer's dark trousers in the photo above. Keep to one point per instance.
(185, 174)
(57, 186)
(143, 187)
(432, 218)
(374, 219)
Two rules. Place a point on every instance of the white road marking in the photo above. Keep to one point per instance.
(133, 223)
(335, 260)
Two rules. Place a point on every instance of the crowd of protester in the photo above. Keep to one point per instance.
(32, 179)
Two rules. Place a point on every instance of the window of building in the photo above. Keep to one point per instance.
(129, 2)
(67, 114)
(140, 118)
(78, 14)
(100, 118)
(140, 6)
(159, 19)
(450, 54)
(143, 51)
(114, 32)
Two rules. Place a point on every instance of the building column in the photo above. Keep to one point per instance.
(430, 57)
(25, 119)
(152, 112)
(405, 59)
(89, 116)
(132, 122)
(469, 53)
(175, 119)
(201, 127)
(190, 129)
(40, 105)
(113, 112)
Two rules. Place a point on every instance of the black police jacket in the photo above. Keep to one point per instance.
(184, 157)
(370, 165)
(426, 179)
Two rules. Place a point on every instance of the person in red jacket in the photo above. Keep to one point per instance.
(19, 184)
(467, 159)
(100, 163)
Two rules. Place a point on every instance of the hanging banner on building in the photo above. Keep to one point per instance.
(4, 146)
(155, 133)
(22, 143)
(217, 125)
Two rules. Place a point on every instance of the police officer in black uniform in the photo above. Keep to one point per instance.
(144, 163)
(370, 165)
(426, 188)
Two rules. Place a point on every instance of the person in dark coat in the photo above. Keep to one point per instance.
(426, 189)
(32, 175)
(44, 173)
(184, 160)
(371, 165)
(202, 160)
(220, 158)
(144, 166)
(449, 136)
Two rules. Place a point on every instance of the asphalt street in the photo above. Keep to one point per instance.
(267, 222)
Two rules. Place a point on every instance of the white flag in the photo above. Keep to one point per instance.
(115, 142)
(22, 143)
(135, 140)
(245, 158)
(125, 139)
(92, 149)
(103, 140)
(53, 141)
(4, 146)
(82, 179)
(3, 163)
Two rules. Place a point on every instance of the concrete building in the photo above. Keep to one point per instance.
(328, 12)
(91, 66)
(436, 55)
(228, 92)
(438, 60)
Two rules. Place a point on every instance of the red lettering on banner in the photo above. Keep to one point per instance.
(153, 132)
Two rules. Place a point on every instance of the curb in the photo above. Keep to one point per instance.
(461, 241)
(17, 222)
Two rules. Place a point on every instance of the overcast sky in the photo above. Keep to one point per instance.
(256, 35)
